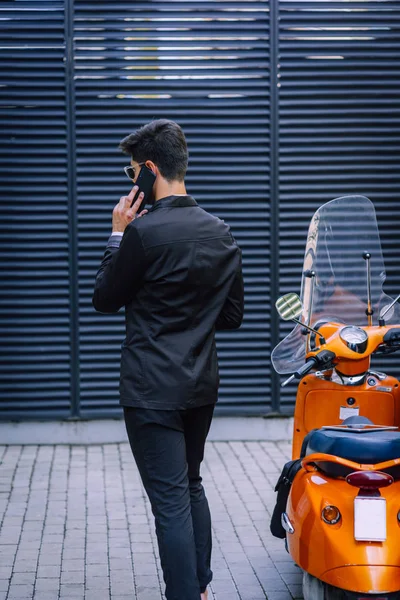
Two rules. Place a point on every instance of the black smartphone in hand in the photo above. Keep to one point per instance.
(145, 181)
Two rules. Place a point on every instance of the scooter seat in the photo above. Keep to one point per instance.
(365, 446)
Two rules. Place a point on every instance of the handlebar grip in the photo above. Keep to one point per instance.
(306, 368)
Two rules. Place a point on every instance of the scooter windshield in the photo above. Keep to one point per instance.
(334, 281)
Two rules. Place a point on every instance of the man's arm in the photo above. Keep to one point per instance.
(231, 315)
(121, 271)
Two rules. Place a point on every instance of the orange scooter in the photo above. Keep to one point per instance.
(339, 498)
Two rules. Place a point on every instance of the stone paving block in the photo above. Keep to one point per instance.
(97, 558)
(147, 594)
(49, 571)
(42, 595)
(122, 588)
(24, 566)
(74, 577)
(285, 595)
(103, 594)
(73, 554)
(274, 584)
(20, 592)
(97, 583)
(72, 564)
(74, 589)
(148, 568)
(47, 585)
(147, 581)
(23, 578)
(49, 560)
(98, 570)
(5, 571)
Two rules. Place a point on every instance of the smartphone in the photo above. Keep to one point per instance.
(145, 181)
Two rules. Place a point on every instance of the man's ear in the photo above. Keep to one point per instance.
(150, 165)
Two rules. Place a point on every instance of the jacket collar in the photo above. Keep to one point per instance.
(174, 202)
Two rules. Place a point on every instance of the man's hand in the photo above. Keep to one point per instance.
(123, 214)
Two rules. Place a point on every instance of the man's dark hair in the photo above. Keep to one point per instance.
(163, 142)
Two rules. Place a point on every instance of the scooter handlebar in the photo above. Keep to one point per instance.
(306, 368)
(323, 359)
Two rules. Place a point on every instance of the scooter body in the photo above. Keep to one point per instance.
(320, 402)
(342, 518)
(330, 553)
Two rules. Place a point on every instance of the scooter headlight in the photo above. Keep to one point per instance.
(331, 515)
(355, 338)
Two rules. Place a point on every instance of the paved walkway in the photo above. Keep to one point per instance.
(76, 525)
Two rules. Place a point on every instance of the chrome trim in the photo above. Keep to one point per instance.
(337, 377)
(381, 376)
(361, 429)
(286, 523)
(310, 309)
(358, 347)
(334, 521)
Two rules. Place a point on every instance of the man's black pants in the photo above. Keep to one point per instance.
(168, 447)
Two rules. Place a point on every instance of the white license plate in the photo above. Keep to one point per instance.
(370, 519)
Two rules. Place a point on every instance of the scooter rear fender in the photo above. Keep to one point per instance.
(330, 552)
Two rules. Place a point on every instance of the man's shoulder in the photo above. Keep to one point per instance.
(187, 224)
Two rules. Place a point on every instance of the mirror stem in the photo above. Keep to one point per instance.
(311, 275)
(369, 312)
(322, 339)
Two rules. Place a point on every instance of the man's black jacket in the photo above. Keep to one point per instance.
(178, 273)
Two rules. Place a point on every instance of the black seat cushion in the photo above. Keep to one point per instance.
(366, 447)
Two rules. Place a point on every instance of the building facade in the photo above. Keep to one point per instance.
(285, 104)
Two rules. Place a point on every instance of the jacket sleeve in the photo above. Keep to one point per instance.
(121, 272)
(231, 315)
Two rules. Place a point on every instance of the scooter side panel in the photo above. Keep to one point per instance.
(318, 403)
(319, 548)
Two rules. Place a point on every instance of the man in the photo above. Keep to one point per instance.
(177, 270)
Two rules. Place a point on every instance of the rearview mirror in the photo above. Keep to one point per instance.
(387, 312)
(289, 307)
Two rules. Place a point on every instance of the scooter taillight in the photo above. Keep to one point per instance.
(369, 480)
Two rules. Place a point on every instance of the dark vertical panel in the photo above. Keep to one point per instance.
(274, 229)
(34, 296)
(72, 207)
(205, 65)
(339, 125)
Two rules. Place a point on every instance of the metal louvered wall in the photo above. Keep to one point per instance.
(35, 294)
(285, 105)
(339, 127)
(205, 65)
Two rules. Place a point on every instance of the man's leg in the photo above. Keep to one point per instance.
(197, 423)
(158, 445)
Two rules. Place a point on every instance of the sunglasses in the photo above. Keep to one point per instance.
(130, 171)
